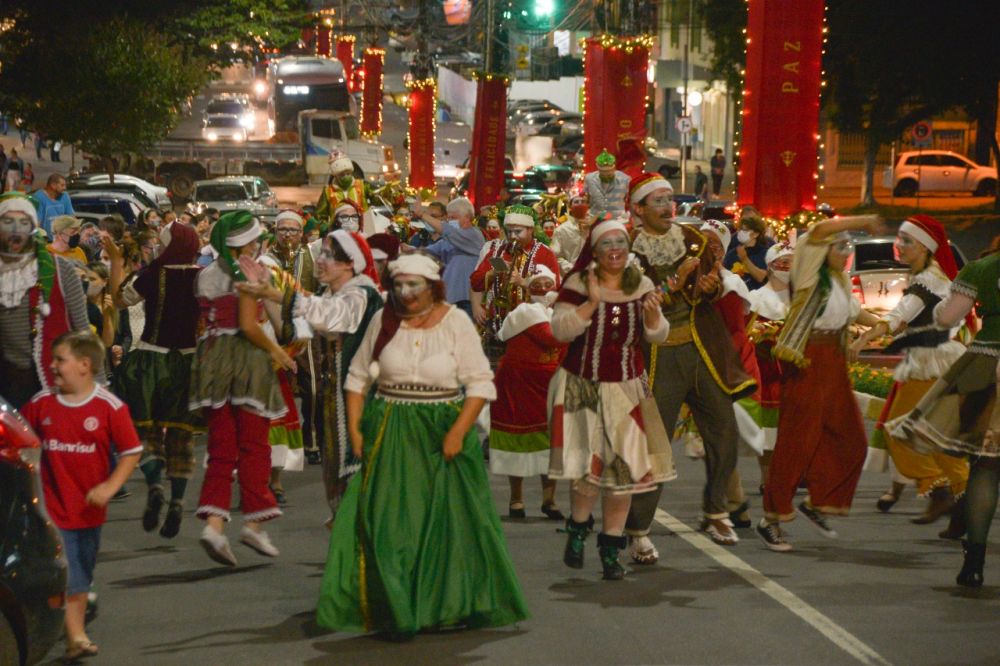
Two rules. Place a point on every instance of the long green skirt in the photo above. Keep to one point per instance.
(417, 542)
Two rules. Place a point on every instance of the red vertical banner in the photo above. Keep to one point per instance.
(777, 159)
(615, 94)
(489, 132)
(371, 91)
(423, 108)
(324, 40)
(345, 54)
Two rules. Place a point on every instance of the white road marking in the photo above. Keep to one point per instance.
(836, 634)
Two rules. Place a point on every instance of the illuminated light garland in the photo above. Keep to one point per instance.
(414, 86)
(804, 219)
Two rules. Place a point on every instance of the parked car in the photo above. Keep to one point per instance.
(515, 182)
(154, 192)
(250, 193)
(564, 148)
(515, 114)
(570, 124)
(133, 191)
(877, 276)
(462, 173)
(32, 565)
(939, 171)
(531, 123)
(555, 176)
(103, 202)
(223, 128)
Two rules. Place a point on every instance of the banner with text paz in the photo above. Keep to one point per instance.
(615, 87)
(371, 91)
(423, 107)
(489, 131)
(777, 159)
(345, 54)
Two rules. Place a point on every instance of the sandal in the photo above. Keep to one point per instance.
(80, 650)
(516, 510)
(643, 551)
(723, 537)
(552, 513)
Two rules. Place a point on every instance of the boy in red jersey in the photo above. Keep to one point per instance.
(78, 421)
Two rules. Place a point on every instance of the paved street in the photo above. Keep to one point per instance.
(881, 594)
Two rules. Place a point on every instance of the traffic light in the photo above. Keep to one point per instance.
(544, 8)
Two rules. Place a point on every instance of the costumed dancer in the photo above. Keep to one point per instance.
(957, 415)
(821, 442)
(769, 306)
(234, 382)
(417, 543)
(607, 188)
(41, 297)
(341, 186)
(607, 436)
(498, 283)
(569, 237)
(155, 375)
(519, 437)
(696, 364)
(922, 244)
(340, 316)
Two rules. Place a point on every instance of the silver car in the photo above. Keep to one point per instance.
(250, 193)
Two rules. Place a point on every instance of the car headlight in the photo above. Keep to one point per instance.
(212, 136)
(239, 138)
(248, 121)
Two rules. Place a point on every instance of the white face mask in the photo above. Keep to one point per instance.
(783, 276)
(743, 236)
(546, 299)
(349, 225)
(94, 288)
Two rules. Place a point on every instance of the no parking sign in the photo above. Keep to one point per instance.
(922, 133)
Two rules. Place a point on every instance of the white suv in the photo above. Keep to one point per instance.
(939, 171)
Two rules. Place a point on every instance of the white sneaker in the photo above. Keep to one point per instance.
(259, 541)
(643, 551)
(217, 546)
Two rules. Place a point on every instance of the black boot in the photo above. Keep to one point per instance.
(576, 539)
(971, 574)
(608, 546)
(956, 525)
(154, 504)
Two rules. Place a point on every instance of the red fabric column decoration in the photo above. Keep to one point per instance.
(371, 91)
(324, 40)
(345, 54)
(423, 107)
(615, 89)
(777, 160)
(489, 131)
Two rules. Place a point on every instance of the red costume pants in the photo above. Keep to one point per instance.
(821, 437)
(237, 440)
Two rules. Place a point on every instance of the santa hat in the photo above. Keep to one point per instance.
(542, 271)
(602, 227)
(931, 234)
(719, 229)
(356, 247)
(340, 162)
(347, 206)
(645, 183)
(779, 250)
(519, 216)
(386, 244)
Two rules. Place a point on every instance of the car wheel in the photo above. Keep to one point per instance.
(10, 651)
(181, 184)
(906, 188)
(986, 188)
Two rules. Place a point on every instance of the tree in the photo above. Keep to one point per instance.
(94, 89)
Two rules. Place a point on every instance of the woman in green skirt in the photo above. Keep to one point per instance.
(417, 543)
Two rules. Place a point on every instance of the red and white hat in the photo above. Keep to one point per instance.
(720, 230)
(931, 234)
(356, 247)
(644, 184)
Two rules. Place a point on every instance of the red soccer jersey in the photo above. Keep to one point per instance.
(76, 451)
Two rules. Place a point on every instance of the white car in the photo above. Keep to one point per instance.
(224, 128)
(939, 171)
(155, 192)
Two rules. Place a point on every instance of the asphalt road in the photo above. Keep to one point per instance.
(881, 594)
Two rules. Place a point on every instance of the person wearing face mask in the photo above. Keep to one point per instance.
(569, 237)
(769, 306)
(607, 188)
(347, 217)
(748, 255)
(100, 307)
(519, 438)
(549, 227)
(697, 363)
(338, 317)
(150, 220)
(458, 248)
(822, 442)
(154, 376)
(607, 436)
(342, 186)
(492, 229)
(922, 244)
(498, 283)
(234, 383)
(66, 239)
(422, 496)
(41, 297)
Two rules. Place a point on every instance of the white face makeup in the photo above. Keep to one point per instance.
(15, 233)
(610, 242)
(518, 233)
(493, 224)
(409, 287)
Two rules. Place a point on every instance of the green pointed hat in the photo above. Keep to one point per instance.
(605, 159)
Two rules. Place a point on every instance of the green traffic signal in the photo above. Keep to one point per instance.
(544, 8)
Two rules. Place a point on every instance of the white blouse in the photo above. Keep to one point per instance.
(841, 309)
(448, 355)
(334, 313)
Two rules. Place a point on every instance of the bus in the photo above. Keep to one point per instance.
(297, 83)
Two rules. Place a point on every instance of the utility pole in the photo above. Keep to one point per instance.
(684, 95)
(488, 51)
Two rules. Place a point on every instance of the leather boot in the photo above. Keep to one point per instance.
(941, 502)
(971, 574)
(609, 546)
(576, 539)
(956, 525)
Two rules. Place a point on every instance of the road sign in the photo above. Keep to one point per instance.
(922, 133)
(684, 124)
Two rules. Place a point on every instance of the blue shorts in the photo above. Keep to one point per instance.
(81, 548)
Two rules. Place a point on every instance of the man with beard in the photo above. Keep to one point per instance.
(697, 364)
(41, 298)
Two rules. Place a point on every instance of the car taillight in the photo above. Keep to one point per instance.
(856, 289)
